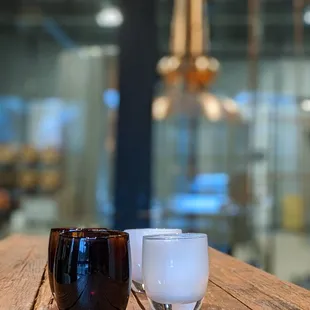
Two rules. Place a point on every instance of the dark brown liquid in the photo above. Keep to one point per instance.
(52, 246)
(92, 273)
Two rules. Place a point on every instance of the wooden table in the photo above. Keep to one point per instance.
(233, 285)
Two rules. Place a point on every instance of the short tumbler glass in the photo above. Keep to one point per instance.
(175, 270)
(136, 240)
(52, 246)
(92, 270)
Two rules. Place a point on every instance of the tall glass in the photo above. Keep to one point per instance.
(136, 240)
(175, 270)
(92, 270)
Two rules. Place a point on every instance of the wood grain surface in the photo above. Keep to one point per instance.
(255, 288)
(216, 299)
(45, 301)
(22, 263)
(233, 285)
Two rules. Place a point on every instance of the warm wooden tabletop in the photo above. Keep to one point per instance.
(233, 285)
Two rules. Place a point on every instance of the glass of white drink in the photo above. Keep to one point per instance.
(175, 270)
(136, 239)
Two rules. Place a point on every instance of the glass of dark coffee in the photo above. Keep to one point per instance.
(92, 270)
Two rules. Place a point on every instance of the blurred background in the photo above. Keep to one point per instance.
(93, 133)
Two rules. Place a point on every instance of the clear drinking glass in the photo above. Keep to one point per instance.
(136, 240)
(175, 270)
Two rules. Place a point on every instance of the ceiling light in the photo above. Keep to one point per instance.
(305, 105)
(307, 15)
(109, 17)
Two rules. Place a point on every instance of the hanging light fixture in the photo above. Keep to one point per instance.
(185, 107)
(188, 70)
(109, 17)
(187, 61)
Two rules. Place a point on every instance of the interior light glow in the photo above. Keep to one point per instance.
(109, 17)
(211, 107)
(160, 108)
(307, 16)
(305, 105)
(230, 106)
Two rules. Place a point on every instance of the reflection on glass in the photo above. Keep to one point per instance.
(92, 270)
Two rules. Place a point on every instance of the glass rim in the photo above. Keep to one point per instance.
(176, 237)
(154, 229)
(65, 229)
(60, 229)
(93, 229)
(93, 234)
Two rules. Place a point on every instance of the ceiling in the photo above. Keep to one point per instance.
(228, 18)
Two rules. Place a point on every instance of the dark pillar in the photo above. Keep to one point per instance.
(137, 76)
